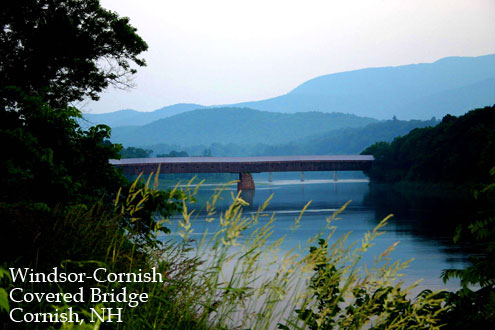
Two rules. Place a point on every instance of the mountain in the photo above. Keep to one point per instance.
(451, 85)
(133, 117)
(346, 141)
(343, 141)
(234, 125)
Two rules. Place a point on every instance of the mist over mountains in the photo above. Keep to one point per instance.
(336, 109)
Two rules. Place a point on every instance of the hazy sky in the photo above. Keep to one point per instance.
(226, 51)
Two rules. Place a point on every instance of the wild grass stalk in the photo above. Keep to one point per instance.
(238, 277)
(328, 288)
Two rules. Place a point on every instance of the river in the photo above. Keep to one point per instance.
(422, 234)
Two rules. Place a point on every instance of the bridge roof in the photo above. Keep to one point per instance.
(262, 159)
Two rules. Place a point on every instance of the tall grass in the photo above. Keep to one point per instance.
(237, 277)
(325, 288)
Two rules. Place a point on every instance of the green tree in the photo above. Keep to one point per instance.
(132, 152)
(53, 53)
(459, 150)
(64, 50)
(174, 153)
(475, 308)
(49, 159)
(56, 180)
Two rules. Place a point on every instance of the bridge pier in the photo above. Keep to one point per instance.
(302, 176)
(246, 182)
(248, 196)
(270, 177)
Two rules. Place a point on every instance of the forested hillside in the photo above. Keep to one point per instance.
(459, 150)
(234, 125)
(351, 140)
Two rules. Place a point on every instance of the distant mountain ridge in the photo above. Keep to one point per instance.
(452, 85)
(132, 117)
(415, 91)
(234, 125)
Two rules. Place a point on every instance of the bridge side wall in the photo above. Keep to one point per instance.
(293, 166)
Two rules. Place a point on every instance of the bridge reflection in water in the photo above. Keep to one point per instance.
(245, 165)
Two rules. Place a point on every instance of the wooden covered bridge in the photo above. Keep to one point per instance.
(244, 165)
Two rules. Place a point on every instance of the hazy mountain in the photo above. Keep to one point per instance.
(234, 125)
(350, 140)
(133, 117)
(342, 141)
(452, 85)
(418, 91)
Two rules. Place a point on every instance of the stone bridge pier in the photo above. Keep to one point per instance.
(246, 182)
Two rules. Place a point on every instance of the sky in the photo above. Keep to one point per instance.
(214, 52)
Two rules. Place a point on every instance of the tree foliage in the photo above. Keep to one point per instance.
(475, 307)
(174, 153)
(132, 152)
(64, 50)
(459, 150)
(53, 53)
(48, 158)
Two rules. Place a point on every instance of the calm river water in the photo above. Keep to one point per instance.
(423, 234)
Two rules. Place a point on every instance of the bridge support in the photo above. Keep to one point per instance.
(248, 196)
(302, 176)
(270, 177)
(334, 175)
(246, 182)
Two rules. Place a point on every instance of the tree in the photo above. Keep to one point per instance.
(474, 307)
(207, 152)
(174, 153)
(48, 158)
(64, 50)
(459, 150)
(53, 53)
(59, 199)
(133, 152)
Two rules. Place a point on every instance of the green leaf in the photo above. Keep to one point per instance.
(4, 301)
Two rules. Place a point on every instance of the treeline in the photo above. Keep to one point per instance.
(460, 150)
(132, 152)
